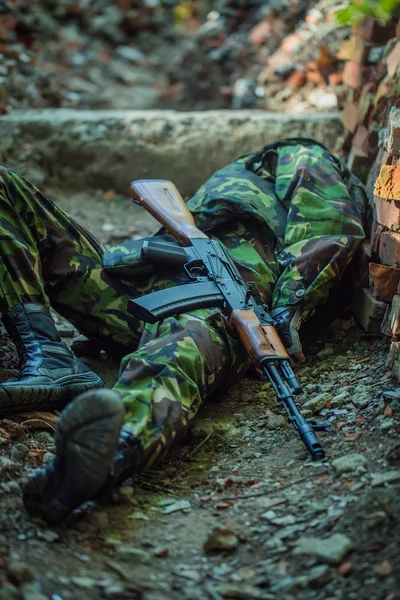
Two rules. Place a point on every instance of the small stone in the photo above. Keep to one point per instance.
(306, 413)
(382, 478)
(9, 592)
(18, 572)
(175, 506)
(32, 591)
(239, 591)
(131, 54)
(14, 486)
(19, 452)
(349, 463)
(331, 550)
(84, 582)
(135, 555)
(386, 424)
(43, 437)
(48, 534)
(325, 352)
(124, 495)
(317, 403)
(98, 521)
(361, 399)
(276, 422)
(221, 538)
(340, 399)
(47, 458)
(319, 575)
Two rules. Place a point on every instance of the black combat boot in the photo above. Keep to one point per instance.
(50, 374)
(94, 455)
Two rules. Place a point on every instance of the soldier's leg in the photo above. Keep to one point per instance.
(42, 253)
(47, 258)
(180, 362)
(324, 228)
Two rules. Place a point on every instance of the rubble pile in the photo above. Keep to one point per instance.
(80, 54)
(189, 54)
(371, 117)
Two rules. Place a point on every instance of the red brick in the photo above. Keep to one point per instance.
(376, 232)
(335, 78)
(349, 116)
(383, 281)
(388, 184)
(360, 50)
(391, 320)
(370, 31)
(361, 262)
(366, 102)
(345, 50)
(365, 141)
(297, 79)
(258, 35)
(393, 60)
(369, 311)
(353, 74)
(393, 359)
(388, 213)
(393, 139)
(359, 164)
(389, 248)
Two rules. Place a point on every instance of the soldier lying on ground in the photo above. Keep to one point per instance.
(290, 216)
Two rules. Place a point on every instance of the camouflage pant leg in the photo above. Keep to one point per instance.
(324, 225)
(47, 258)
(179, 363)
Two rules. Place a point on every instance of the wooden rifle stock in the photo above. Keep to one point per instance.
(260, 341)
(163, 201)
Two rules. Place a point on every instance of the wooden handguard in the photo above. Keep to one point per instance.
(163, 201)
(259, 341)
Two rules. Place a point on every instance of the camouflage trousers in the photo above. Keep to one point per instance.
(172, 366)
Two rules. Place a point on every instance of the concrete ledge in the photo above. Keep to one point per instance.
(108, 149)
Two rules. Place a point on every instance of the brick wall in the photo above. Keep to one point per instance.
(371, 116)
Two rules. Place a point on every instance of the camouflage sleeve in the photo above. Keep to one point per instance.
(324, 225)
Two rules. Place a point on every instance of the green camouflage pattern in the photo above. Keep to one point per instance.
(290, 215)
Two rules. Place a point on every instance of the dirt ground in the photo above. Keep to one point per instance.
(238, 511)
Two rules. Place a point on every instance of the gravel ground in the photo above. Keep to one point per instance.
(237, 511)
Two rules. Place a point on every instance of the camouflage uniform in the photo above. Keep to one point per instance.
(291, 217)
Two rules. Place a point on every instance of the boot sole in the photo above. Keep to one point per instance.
(46, 398)
(86, 438)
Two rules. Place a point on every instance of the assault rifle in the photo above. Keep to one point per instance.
(214, 280)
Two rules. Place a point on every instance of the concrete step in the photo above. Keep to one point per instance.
(108, 148)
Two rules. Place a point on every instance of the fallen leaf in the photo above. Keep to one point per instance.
(383, 569)
(345, 569)
(109, 195)
(5, 433)
(388, 412)
(36, 455)
(222, 505)
(178, 505)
